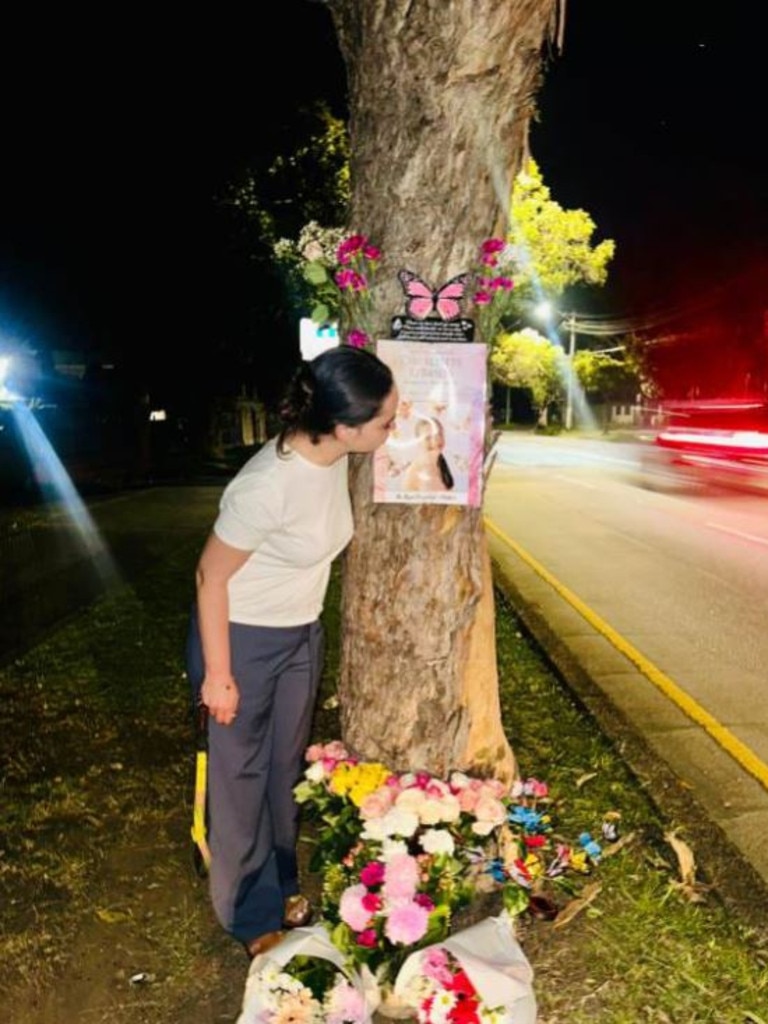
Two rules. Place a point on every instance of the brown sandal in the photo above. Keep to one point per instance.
(297, 911)
(263, 943)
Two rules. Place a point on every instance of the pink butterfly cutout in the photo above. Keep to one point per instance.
(423, 300)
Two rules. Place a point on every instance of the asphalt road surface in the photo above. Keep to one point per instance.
(659, 590)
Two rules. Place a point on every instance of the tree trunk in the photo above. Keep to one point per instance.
(441, 93)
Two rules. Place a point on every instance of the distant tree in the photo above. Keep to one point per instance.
(526, 359)
(607, 379)
(552, 246)
(604, 376)
(308, 184)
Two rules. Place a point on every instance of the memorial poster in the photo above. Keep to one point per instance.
(435, 452)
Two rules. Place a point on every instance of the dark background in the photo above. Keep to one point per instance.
(120, 128)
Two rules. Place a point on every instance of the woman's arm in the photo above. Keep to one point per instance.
(218, 563)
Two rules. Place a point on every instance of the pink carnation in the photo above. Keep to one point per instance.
(322, 751)
(372, 874)
(352, 909)
(350, 247)
(345, 1003)
(367, 938)
(437, 789)
(529, 787)
(350, 280)
(491, 245)
(406, 923)
(373, 903)
(357, 339)
(423, 900)
(434, 964)
(401, 878)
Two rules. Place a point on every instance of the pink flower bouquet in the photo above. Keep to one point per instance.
(401, 853)
(478, 976)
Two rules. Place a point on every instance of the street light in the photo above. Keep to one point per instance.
(570, 323)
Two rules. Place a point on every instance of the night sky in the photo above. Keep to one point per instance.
(118, 129)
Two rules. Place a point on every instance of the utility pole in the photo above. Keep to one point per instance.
(571, 324)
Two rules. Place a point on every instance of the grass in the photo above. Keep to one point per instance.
(104, 918)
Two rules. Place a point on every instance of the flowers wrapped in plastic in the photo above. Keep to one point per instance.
(477, 976)
(306, 979)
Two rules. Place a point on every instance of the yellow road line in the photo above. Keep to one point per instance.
(733, 746)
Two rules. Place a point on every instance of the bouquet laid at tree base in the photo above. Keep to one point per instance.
(401, 855)
(477, 976)
(306, 980)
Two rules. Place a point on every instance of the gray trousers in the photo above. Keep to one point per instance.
(253, 766)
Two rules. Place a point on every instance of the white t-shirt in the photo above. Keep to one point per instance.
(295, 517)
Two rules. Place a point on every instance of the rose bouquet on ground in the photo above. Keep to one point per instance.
(401, 853)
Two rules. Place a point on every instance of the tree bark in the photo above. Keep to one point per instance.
(440, 96)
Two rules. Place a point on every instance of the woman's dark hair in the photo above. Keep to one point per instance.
(445, 472)
(342, 385)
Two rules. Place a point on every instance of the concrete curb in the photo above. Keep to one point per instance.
(682, 768)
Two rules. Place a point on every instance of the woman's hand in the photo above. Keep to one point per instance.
(222, 698)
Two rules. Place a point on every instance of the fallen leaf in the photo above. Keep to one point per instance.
(612, 848)
(688, 886)
(685, 858)
(582, 779)
(112, 916)
(588, 895)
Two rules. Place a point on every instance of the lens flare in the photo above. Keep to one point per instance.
(56, 485)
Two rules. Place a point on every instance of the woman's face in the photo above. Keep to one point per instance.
(367, 437)
(432, 435)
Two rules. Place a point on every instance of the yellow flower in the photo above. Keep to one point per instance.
(357, 781)
(534, 865)
(579, 861)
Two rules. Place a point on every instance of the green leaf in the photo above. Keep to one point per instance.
(316, 273)
(321, 314)
(515, 899)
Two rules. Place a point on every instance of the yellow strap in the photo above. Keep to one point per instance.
(198, 815)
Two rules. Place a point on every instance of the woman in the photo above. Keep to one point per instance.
(429, 470)
(256, 643)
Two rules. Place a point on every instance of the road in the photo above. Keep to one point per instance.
(659, 596)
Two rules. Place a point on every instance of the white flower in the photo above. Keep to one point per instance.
(459, 780)
(315, 772)
(312, 251)
(392, 847)
(442, 1005)
(437, 840)
(431, 808)
(395, 822)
